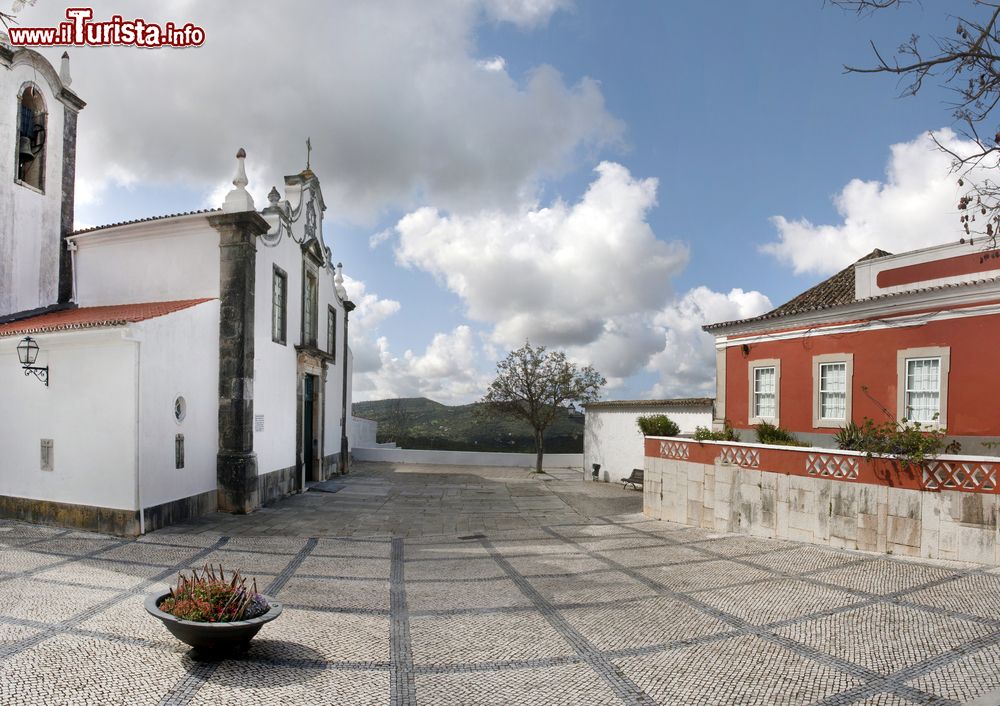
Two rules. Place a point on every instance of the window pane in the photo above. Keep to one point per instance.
(764, 382)
(923, 389)
(278, 307)
(833, 390)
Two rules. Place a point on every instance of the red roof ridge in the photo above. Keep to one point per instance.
(96, 316)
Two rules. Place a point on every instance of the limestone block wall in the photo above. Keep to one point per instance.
(711, 489)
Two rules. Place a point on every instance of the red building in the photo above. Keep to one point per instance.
(915, 336)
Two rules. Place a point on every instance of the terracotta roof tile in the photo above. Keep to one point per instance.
(94, 317)
(834, 291)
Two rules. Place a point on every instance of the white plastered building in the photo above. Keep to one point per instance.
(184, 363)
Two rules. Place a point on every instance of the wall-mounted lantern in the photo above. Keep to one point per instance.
(27, 353)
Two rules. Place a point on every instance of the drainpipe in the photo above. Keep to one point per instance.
(72, 247)
(136, 338)
(348, 308)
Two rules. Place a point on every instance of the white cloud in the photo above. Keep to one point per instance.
(371, 311)
(448, 371)
(392, 94)
(496, 63)
(914, 207)
(378, 238)
(686, 363)
(589, 277)
(564, 275)
(525, 13)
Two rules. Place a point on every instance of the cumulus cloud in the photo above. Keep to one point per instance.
(524, 13)
(448, 371)
(371, 311)
(914, 207)
(686, 362)
(557, 275)
(392, 94)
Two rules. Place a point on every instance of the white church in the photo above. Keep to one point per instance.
(161, 368)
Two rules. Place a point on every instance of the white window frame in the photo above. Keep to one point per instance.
(818, 421)
(753, 366)
(902, 357)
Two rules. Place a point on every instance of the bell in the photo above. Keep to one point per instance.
(24, 153)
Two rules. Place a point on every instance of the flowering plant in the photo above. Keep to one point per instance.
(211, 598)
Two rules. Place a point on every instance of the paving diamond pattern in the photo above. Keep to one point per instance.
(555, 686)
(740, 670)
(883, 637)
(881, 576)
(490, 637)
(560, 593)
(651, 621)
(773, 601)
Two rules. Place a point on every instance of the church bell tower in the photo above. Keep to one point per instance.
(38, 115)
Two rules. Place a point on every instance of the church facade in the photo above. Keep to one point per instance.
(162, 368)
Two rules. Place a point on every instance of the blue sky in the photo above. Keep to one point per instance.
(468, 134)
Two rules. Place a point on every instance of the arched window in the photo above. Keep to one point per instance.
(31, 136)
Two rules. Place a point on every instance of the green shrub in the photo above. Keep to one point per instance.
(907, 441)
(777, 436)
(658, 425)
(706, 434)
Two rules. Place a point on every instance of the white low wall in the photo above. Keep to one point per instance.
(945, 524)
(363, 432)
(612, 437)
(466, 458)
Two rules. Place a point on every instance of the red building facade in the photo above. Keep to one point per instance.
(914, 336)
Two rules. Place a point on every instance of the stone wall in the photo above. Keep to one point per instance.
(723, 496)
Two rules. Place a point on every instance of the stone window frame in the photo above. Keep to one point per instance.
(331, 330)
(906, 354)
(281, 336)
(752, 366)
(818, 421)
(43, 116)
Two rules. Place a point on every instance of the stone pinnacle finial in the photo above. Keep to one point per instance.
(239, 199)
(64, 75)
(338, 282)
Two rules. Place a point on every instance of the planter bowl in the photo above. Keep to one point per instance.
(212, 637)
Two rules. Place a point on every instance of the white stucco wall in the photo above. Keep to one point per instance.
(275, 365)
(276, 379)
(612, 438)
(164, 260)
(362, 432)
(465, 458)
(30, 221)
(179, 356)
(88, 411)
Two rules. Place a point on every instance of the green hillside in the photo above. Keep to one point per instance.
(420, 423)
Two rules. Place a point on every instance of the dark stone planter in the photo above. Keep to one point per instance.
(208, 638)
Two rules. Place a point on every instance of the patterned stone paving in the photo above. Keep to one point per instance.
(613, 609)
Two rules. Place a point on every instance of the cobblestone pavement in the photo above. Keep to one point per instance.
(417, 500)
(598, 609)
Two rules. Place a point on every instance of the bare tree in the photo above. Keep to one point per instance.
(8, 18)
(535, 386)
(966, 61)
(397, 421)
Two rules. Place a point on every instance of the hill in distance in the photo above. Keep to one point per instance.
(420, 423)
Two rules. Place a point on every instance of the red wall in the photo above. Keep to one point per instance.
(937, 269)
(973, 383)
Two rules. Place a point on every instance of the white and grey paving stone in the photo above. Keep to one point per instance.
(450, 586)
